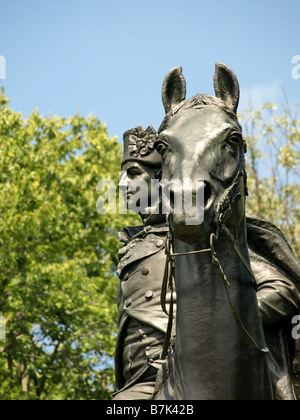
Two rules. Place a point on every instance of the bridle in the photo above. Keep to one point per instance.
(224, 209)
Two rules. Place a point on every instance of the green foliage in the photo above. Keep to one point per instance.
(273, 168)
(58, 285)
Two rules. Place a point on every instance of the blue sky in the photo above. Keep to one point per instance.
(110, 57)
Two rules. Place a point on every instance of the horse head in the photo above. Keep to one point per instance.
(201, 140)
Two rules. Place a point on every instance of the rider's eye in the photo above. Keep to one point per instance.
(133, 172)
(161, 147)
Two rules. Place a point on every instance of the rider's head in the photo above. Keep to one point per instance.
(141, 163)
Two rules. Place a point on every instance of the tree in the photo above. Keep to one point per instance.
(273, 168)
(58, 282)
(273, 176)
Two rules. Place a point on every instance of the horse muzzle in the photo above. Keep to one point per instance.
(192, 210)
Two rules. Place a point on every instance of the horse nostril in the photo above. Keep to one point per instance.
(208, 192)
(172, 198)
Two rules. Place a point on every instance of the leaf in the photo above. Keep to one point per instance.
(57, 256)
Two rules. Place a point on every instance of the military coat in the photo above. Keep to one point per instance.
(141, 272)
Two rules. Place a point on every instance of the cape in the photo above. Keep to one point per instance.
(267, 240)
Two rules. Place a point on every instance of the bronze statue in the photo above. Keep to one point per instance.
(220, 350)
(228, 307)
(142, 323)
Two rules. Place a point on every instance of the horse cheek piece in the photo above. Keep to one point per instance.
(220, 351)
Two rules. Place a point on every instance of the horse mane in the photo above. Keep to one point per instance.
(196, 102)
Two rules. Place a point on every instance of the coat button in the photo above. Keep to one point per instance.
(145, 271)
(149, 294)
(126, 277)
(159, 243)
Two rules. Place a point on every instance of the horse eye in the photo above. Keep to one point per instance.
(235, 140)
(161, 147)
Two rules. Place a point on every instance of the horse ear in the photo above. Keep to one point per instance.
(173, 89)
(227, 86)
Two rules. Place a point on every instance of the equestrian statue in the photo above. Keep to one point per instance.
(224, 286)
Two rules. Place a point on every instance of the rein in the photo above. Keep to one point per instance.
(223, 209)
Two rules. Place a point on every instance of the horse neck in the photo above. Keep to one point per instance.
(198, 281)
(204, 323)
(223, 248)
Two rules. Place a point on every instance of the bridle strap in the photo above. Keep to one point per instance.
(179, 254)
(238, 252)
(168, 281)
(233, 310)
(223, 207)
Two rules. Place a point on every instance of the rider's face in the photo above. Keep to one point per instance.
(134, 171)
